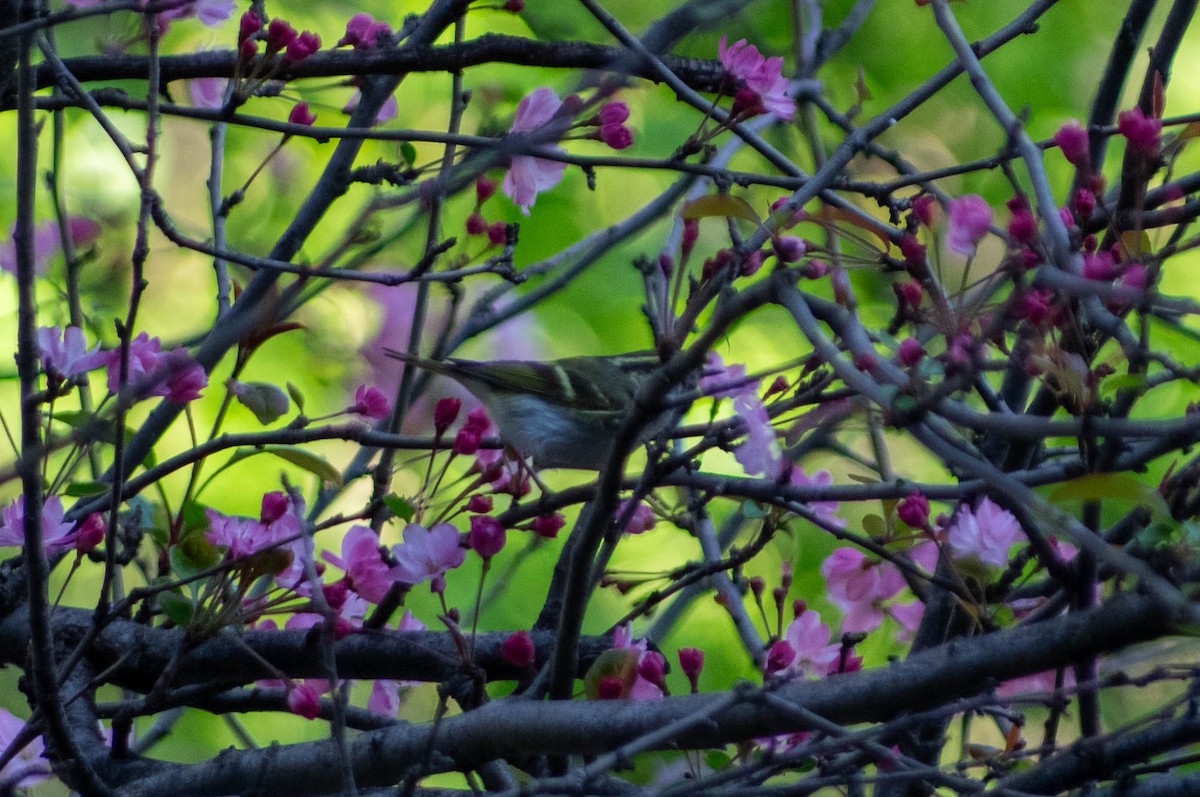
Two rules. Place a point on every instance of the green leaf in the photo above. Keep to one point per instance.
(297, 396)
(179, 609)
(723, 205)
(408, 152)
(717, 759)
(266, 401)
(875, 526)
(301, 458)
(400, 507)
(1107, 486)
(1121, 382)
(83, 489)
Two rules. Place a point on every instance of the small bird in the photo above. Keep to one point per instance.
(561, 413)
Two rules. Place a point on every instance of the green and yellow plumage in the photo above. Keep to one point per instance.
(561, 413)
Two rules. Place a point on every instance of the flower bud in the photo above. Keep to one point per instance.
(444, 414)
(518, 650)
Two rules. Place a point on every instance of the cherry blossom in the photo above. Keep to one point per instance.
(759, 452)
(64, 353)
(426, 553)
(761, 75)
(527, 175)
(970, 217)
(987, 532)
(57, 535)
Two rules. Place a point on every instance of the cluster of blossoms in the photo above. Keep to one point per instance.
(210, 12)
(762, 87)
(174, 375)
(58, 534)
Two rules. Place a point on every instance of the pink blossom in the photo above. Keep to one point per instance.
(759, 452)
(386, 112)
(426, 553)
(970, 218)
(987, 532)
(207, 92)
(185, 377)
(725, 381)
(371, 403)
(1037, 682)
(641, 520)
(28, 766)
(363, 31)
(789, 248)
(385, 697)
(363, 563)
(213, 12)
(302, 699)
(46, 244)
(809, 638)
(1072, 139)
(1022, 226)
(762, 76)
(57, 534)
(527, 176)
(175, 375)
(826, 510)
(859, 586)
(64, 353)
(238, 535)
(1141, 131)
(642, 688)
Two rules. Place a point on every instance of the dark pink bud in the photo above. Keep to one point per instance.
(477, 421)
(1029, 259)
(1141, 131)
(757, 585)
(548, 526)
(865, 361)
(249, 25)
(910, 293)
(613, 113)
(1072, 139)
(610, 687)
(90, 534)
(466, 442)
(497, 233)
(785, 574)
(370, 402)
(912, 249)
(518, 650)
(691, 231)
(911, 352)
(751, 263)
(914, 511)
(300, 115)
(484, 189)
(789, 248)
(616, 136)
(279, 35)
(1067, 217)
(247, 50)
(480, 504)
(653, 667)
(336, 594)
(815, 269)
(779, 657)
(691, 661)
(1099, 266)
(924, 210)
(476, 224)
(1135, 276)
(302, 47)
(514, 6)
(302, 699)
(486, 536)
(1036, 306)
(779, 385)
(445, 412)
(799, 607)
(82, 231)
(666, 264)
(748, 102)
(1022, 226)
(1085, 203)
(274, 506)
